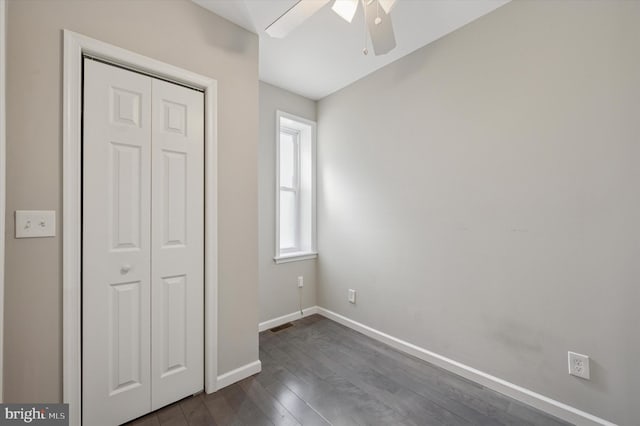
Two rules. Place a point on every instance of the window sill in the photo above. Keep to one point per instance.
(295, 257)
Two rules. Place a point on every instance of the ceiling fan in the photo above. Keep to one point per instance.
(376, 14)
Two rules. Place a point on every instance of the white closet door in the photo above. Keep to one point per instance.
(116, 245)
(177, 239)
(143, 244)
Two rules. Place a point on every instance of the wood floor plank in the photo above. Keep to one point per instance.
(497, 408)
(411, 405)
(148, 420)
(320, 373)
(220, 409)
(270, 406)
(468, 399)
(321, 396)
(535, 416)
(360, 404)
(172, 415)
(195, 412)
(244, 408)
(301, 410)
(336, 411)
(430, 389)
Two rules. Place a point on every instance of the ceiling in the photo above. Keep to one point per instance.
(324, 54)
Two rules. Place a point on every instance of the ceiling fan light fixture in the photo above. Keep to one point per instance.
(387, 5)
(346, 9)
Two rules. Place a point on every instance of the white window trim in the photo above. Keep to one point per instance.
(75, 45)
(294, 256)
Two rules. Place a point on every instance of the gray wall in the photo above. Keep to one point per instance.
(279, 293)
(177, 32)
(481, 195)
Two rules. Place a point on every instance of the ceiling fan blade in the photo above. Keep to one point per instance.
(292, 18)
(346, 9)
(380, 29)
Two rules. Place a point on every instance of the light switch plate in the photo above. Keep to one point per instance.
(35, 223)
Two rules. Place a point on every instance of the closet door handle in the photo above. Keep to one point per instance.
(125, 269)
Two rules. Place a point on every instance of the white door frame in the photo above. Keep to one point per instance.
(3, 135)
(75, 46)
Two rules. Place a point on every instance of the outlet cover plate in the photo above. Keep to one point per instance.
(352, 296)
(579, 365)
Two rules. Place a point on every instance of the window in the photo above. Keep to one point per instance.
(295, 189)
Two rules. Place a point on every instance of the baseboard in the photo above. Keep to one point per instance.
(238, 374)
(536, 400)
(266, 325)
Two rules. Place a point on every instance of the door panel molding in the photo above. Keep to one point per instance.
(75, 46)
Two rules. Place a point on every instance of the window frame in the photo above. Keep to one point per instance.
(295, 189)
(305, 132)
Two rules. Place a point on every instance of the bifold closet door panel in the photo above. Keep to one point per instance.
(177, 239)
(116, 250)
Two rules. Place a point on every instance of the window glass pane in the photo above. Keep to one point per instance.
(287, 220)
(287, 159)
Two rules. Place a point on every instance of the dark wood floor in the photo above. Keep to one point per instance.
(319, 373)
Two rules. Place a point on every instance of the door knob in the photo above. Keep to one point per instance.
(125, 268)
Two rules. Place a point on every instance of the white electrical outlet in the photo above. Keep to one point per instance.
(352, 296)
(300, 281)
(579, 365)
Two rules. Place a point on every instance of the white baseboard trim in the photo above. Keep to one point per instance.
(266, 325)
(536, 400)
(238, 374)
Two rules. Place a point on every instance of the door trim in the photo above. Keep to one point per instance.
(75, 46)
